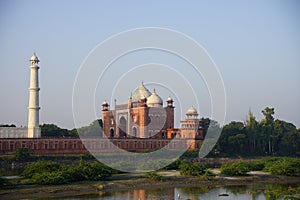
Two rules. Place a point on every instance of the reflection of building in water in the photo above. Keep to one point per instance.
(145, 117)
(152, 194)
(139, 194)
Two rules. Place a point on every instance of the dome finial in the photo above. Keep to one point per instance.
(34, 59)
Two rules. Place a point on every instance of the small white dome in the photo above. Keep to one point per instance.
(154, 100)
(104, 103)
(192, 111)
(169, 99)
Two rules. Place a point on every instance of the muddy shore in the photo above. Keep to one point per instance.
(135, 181)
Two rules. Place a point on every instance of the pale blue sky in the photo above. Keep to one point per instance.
(255, 44)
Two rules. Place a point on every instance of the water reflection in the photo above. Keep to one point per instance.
(240, 192)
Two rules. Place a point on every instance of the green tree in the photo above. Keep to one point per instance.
(252, 131)
(238, 143)
(268, 128)
(205, 125)
(290, 143)
(52, 130)
(73, 133)
(230, 141)
(92, 130)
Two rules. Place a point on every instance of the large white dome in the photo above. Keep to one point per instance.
(154, 100)
(140, 92)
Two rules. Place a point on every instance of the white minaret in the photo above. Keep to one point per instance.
(34, 130)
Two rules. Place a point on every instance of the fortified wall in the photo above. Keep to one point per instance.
(61, 146)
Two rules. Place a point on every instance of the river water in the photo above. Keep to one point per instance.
(240, 192)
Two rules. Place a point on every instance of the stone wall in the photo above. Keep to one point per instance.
(52, 146)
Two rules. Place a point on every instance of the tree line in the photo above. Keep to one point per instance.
(268, 136)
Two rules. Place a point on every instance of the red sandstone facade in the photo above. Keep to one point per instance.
(55, 146)
(145, 117)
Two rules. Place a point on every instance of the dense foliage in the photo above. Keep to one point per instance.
(22, 154)
(50, 173)
(235, 169)
(52, 130)
(259, 138)
(279, 166)
(40, 167)
(92, 130)
(192, 169)
(283, 166)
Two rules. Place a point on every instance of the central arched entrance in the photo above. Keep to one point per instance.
(122, 127)
(111, 133)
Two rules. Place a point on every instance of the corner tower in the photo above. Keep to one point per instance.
(34, 130)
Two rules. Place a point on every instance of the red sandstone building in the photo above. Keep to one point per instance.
(145, 117)
(143, 124)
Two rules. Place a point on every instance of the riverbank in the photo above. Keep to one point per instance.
(119, 182)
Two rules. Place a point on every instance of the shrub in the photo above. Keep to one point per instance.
(94, 171)
(47, 172)
(49, 178)
(192, 169)
(72, 173)
(39, 167)
(154, 176)
(235, 169)
(190, 154)
(284, 166)
(256, 165)
(22, 154)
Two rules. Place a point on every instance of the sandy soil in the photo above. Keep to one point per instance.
(135, 181)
